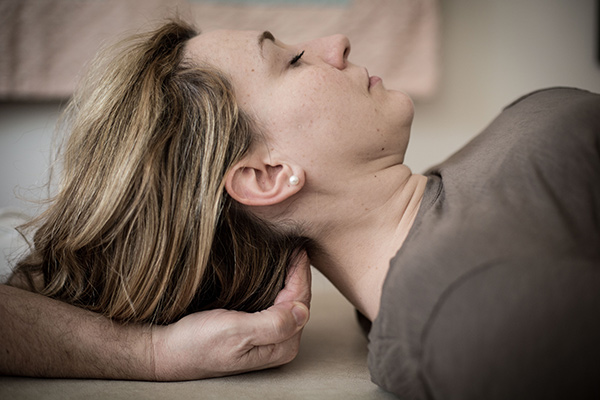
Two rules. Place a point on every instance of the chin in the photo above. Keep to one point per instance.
(405, 106)
(406, 114)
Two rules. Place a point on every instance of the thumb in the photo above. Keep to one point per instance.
(277, 323)
(298, 281)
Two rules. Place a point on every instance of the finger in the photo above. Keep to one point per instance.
(298, 281)
(274, 325)
(270, 356)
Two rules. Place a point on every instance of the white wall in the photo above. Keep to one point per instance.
(493, 51)
(26, 132)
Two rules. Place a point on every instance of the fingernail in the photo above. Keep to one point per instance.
(300, 314)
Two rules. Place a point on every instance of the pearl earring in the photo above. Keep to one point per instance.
(294, 180)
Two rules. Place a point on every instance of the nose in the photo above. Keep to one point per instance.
(334, 50)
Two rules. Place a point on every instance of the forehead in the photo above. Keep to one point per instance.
(222, 47)
(236, 54)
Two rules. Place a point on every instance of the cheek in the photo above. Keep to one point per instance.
(316, 113)
(293, 111)
(317, 106)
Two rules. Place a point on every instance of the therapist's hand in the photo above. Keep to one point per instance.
(220, 342)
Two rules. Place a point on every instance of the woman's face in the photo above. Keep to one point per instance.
(316, 109)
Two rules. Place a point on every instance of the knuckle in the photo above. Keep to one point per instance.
(280, 324)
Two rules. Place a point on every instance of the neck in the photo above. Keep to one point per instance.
(358, 237)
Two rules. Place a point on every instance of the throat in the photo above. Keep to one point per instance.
(355, 257)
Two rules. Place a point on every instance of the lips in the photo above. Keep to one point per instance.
(372, 80)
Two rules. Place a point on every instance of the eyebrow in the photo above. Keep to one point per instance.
(261, 38)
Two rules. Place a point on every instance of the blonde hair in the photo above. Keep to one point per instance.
(141, 228)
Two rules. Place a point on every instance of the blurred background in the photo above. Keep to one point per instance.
(465, 60)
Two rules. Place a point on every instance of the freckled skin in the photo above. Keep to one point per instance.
(319, 113)
(327, 122)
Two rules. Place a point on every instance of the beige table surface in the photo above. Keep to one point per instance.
(332, 364)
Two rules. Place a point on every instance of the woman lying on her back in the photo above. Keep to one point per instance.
(196, 170)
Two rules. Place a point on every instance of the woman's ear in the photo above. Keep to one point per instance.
(256, 181)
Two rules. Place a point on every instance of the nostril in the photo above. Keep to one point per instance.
(347, 47)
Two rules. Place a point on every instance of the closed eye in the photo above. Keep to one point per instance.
(296, 58)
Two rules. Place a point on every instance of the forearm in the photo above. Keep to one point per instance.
(40, 336)
(45, 337)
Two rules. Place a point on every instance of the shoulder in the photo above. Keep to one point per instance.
(562, 94)
(516, 329)
(559, 112)
(554, 110)
(549, 128)
(543, 123)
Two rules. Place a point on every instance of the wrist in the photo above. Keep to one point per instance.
(156, 356)
(128, 351)
(152, 350)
